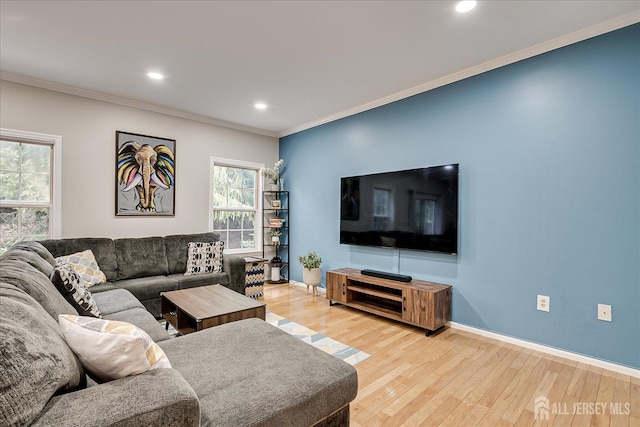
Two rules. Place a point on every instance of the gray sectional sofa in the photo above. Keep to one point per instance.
(245, 373)
(150, 265)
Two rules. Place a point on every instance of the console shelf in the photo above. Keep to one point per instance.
(419, 303)
(374, 292)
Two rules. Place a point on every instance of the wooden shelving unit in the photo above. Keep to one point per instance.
(420, 303)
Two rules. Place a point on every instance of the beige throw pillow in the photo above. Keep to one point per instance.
(111, 349)
(84, 263)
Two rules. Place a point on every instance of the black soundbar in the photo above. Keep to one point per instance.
(385, 275)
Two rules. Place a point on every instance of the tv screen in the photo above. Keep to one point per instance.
(410, 209)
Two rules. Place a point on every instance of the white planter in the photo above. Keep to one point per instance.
(312, 277)
(275, 240)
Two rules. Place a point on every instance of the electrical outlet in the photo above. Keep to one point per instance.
(604, 312)
(544, 302)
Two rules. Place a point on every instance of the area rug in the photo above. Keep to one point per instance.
(172, 331)
(350, 355)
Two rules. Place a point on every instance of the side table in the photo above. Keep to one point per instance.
(254, 277)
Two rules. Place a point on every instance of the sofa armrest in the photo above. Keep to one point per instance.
(235, 267)
(159, 397)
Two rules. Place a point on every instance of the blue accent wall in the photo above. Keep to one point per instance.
(549, 192)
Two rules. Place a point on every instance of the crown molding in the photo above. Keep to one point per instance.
(70, 90)
(575, 37)
(584, 34)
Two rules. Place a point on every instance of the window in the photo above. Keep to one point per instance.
(29, 195)
(234, 204)
(425, 216)
(380, 209)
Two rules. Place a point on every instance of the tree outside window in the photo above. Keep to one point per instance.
(25, 191)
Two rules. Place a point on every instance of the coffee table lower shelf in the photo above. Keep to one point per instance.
(191, 310)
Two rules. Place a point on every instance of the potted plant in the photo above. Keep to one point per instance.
(275, 236)
(311, 272)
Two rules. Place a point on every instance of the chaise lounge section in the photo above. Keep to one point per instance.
(245, 373)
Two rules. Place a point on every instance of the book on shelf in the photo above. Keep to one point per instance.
(276, 222)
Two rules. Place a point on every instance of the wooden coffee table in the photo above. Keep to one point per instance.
(194, 309)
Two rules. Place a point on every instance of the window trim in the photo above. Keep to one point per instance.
(55, 219)
(257, 224)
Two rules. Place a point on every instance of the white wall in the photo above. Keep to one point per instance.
(88, 130)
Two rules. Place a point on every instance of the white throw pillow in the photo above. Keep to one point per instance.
(84, 263)
(110, 349)
(204, 258)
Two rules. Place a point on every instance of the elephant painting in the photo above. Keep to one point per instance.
(147, 168)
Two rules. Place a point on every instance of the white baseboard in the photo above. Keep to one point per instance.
(549, 350)
(530, 345)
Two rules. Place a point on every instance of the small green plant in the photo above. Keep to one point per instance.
(276, 233)
(310, 260)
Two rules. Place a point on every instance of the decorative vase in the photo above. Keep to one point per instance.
(275, 273)
(274, 186)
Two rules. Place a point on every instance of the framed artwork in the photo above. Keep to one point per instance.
(145, 175)
(276, 204)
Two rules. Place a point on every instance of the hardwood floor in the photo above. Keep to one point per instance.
(455, 378)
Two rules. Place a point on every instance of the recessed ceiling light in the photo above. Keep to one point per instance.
(260, 106)
(465, 5)
(155, 76)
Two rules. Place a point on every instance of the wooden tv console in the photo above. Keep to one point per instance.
(419, 303)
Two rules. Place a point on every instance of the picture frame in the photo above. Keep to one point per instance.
(145, 170)
(276, 204)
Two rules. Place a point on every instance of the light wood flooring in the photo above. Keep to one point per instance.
(455, 378)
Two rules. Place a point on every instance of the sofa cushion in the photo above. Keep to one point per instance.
(70, 285)
(148, 287)
(35, 361)
(111, 349)
(143, 320)
(286, 383)
(194, 281)
(103, 249)
(26, 277)
(204, 258)
(38, 248)
(177, 247)
(30, 257)
(84, 263)
(115, 300)
(140, 257)
(158, 398)
(102, 287)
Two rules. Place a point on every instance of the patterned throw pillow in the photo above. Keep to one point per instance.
(204, 258)
(111, 349)
(85, 264)
(71, 286)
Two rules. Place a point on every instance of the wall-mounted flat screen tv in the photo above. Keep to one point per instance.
(410, 209)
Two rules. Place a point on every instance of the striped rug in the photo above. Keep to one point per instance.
(337, 349)
(350, 355)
